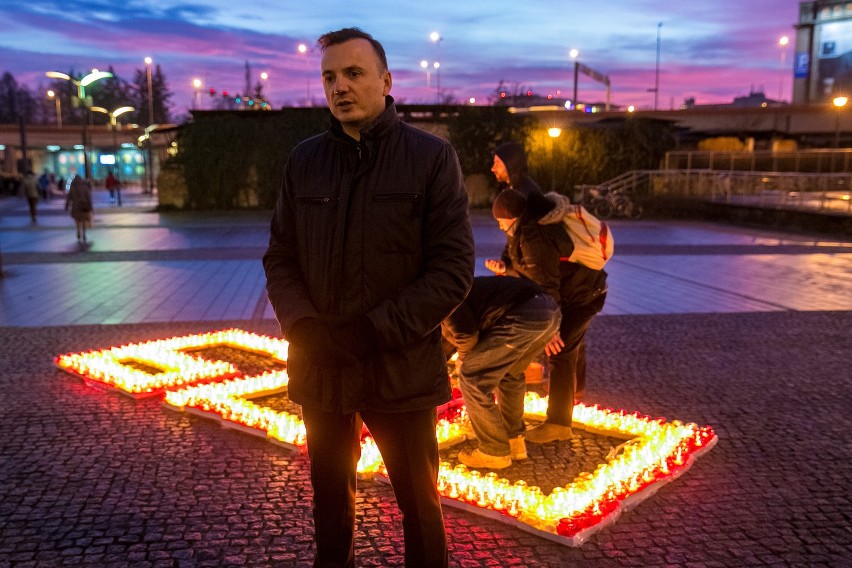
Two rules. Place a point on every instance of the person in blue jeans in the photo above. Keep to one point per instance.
(499, 328)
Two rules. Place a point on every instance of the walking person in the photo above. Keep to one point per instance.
(31, 192)
(80, 201)
(498, 329)
(114, 187)
(538, 248)
(370, 249)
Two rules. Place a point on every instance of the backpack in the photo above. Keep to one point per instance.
(593, 242)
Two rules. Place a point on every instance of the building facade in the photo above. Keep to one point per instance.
(822, 63)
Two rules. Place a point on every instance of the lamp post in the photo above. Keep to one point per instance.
(81, 98)
(113, 125)
(196, 83)
(554, 133)
(657, 68)
(782, 43)
(264, 76)
(150, 164)
(436, 37)
(58, 105)
(303, 49)
(425, 66)
(573, 54)
(839, 104)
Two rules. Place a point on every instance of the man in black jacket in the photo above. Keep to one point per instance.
(370, 249)
(499, 328)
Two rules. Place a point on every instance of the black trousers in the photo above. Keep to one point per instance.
(409, 449)
(565, 365)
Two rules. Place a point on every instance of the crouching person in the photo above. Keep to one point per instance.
(499, 328)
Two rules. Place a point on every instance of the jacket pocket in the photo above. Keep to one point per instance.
(413, 202)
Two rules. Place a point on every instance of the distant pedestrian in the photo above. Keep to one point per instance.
(30, 190)
(499, 328)
(112, 186)
(43, 180)
(80, 200)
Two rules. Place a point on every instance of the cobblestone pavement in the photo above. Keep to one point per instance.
(93, 478)
(743, 330)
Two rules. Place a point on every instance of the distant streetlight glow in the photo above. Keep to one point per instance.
(554, 132)
(303, 49)
(839, 104)
(197, 101)
(782, 43)
(58, 105)
(437, 39)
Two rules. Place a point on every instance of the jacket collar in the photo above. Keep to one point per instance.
(378, 127)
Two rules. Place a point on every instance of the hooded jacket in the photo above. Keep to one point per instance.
(537, 244)
(515, 158)
(377, 228)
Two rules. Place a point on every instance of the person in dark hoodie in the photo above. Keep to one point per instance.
(537, 248)
(510, 168)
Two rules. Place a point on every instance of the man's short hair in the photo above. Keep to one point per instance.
(346, 34)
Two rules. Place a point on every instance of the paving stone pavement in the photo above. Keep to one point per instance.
(93, 478)
(743, 330)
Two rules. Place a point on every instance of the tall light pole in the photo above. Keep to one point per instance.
(113, 125)
(264, 76)
(554, 134)
(303, 49)
(782, 43)
(425, 66)
(58, 105)
(150, 163)
(81, 98)
(839, 104)
(573, 54)
(196, 83)
(657, 69)
(436, 37)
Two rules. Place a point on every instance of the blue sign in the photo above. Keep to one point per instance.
(801, 65)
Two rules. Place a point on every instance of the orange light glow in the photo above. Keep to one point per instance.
(656, 451)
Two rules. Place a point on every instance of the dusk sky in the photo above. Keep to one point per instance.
(713, 50)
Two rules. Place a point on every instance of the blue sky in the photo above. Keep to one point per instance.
(713, 50)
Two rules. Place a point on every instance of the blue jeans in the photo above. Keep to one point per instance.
(496, 366)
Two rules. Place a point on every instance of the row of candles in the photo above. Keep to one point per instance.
(658, 451)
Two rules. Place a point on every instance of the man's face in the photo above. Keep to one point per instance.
(355, 84)
(499, 170)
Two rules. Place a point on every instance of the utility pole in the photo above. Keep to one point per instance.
(657, 73)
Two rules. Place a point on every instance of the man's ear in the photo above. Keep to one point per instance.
(388, 80)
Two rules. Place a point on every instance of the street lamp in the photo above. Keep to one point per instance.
(81, 98)
(839, 104)
(113, 125)
(197, 102)
(150, 165)
(264, 76)
(58, 104)
(436, 37)
(573, 54)
(554, 133)
(303, 49)
(782, 43)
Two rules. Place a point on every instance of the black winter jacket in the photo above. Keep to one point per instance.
(537, 247)
(378, 227)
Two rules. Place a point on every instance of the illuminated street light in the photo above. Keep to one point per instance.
(303, 49)
(149, 166)
(113, 125)
(782, 43)
(197, 102)
(436, 37)
(58, 104)
(554, 133)
(81, 98)
(839, 104)
(573, 54)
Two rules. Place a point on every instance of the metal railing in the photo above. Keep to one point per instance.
(798, 161)
(824, 192)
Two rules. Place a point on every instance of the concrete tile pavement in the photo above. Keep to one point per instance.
(705, 323)
(143, 266)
